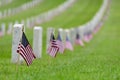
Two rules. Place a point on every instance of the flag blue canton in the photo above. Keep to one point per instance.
(24, 41)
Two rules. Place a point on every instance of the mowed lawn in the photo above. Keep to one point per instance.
(98, 60)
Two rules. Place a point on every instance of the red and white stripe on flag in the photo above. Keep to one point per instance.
(26, 53)
(53, 48)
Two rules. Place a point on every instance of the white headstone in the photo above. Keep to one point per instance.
(32, 22)
(37, 42)
(17, 34)
(28, 22)
(72, 35)
(9, 28)
(3, 29)
(61, 32)
(67, 33)
(81, 31)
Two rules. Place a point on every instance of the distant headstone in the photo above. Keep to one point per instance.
(32, 22)
(3, 29)
(81, 31)
(68, 34)
(72, 35)
(61, 33)
(28, 22)
(9, 28)
(37, 42)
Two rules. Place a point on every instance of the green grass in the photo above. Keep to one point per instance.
(98, 60)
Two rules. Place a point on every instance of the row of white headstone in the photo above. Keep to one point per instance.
(5, 2)
(37, 42)
(37, 39)
(31, 22)
(13, 11)
(96, 20)
(89, 27)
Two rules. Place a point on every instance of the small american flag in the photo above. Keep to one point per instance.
(53, 46)
(78, 40)
(60, 43)
(86, 39)
(68, 44)
(25, 50)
